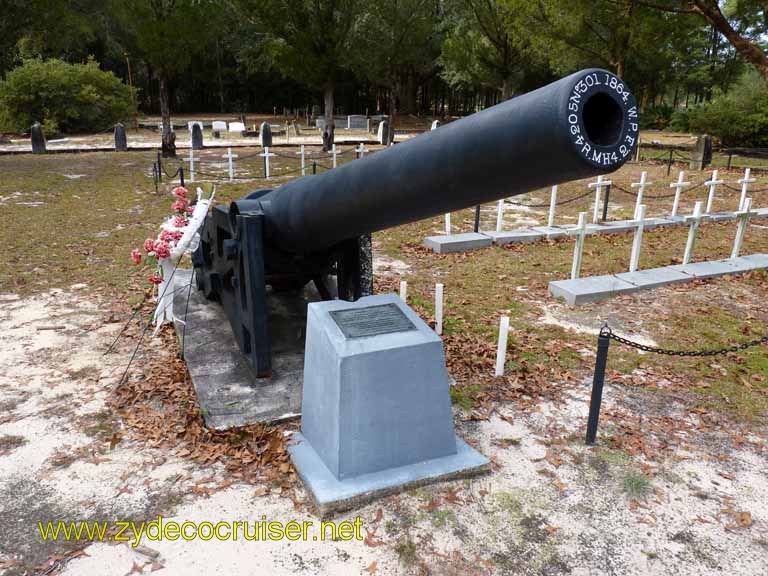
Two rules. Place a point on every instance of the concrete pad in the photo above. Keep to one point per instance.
(553, 232)
(457, 242)
(227, 390)
(722, 216)
(331, 495)
(652, 223)
(614, 227)
(591, 289)
(655, 277)
(522, 235)
(754, 261)
(707, 269)
(762, 213)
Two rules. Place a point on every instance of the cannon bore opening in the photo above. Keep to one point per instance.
(603, 118)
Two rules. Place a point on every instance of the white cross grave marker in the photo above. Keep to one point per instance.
(552, 204)
(695, 220)
(637, 243)
(191, 161)
(745, 182)
(266, 155)
(361, 150)
(581, 232)
(303, 161)
(229, 156)
(743, 215)
(678, 186)
(598, 186)
(640, 190)
(334, 153)
(438, 309)
(712, 185)
(500, 215)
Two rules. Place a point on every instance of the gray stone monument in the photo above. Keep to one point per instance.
(197, 137)
(121, 139)
(265, 135)
(701, 155)
(384, 135)
(38, 138)
(376, 407)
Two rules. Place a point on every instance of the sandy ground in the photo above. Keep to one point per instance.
(550, 506)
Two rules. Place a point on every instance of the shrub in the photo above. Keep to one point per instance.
(62, 97)
(738, 118)
(656, 117)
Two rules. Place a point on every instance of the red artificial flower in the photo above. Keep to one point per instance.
(149, 245)
(180, 205)
(190, 209)
(180, 221)
(180, 192)
(155, 279)
(162, 249)
(136, 256)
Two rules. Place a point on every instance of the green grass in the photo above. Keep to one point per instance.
(635, 484)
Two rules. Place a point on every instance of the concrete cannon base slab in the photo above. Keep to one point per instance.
(228, 392)
(591, 289)
(521, 235)
(330, 495)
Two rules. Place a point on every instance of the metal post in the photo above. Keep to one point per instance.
(181, 175)
(477, 218)
(603, 342)
(314, 167)
(669, 162)
(605, 202)
(154, 176)
(730, 159)
(159, 168)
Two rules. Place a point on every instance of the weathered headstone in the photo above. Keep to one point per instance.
(376, 408)
(237, 127)
(357, 122)
(38, 138)
(701, 155)
(265, 135)
(197, 137)
(295, 130)
(218, 128)
(385, 133)
(121, 139)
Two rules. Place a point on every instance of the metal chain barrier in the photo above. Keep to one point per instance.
(603, 343)
(547, 204)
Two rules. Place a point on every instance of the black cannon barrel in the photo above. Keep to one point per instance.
(580, 126)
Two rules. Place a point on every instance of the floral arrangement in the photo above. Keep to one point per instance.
(178, 235)
(171, 233)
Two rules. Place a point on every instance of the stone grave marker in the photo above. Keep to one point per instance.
(265, 135)
(121, 139)
(38, 138)
(197, 136)
(701, 155)
(218, 128)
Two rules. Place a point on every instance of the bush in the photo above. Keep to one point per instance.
(738, 118)
(656, 117)
(63, 97)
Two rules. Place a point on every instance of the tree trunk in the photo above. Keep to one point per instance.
(328, 130)
(749, 50)
(169, 138)
(506, 90)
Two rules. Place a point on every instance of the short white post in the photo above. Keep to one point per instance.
(229, 156)
(637, 150)
(501, 350)
(334, 153)
(500, 215)
(598, 186)
(640, 190)
(578, 250)
(637, 243)
(552, 204)
(695, 219)
(191, 161)
(303, 160)
(712, 186)
(361, 150)
(743, 215)
(438, 309)
(403, 290)
(745, 182)
(678, 186)
(266, 155)
(447, 223)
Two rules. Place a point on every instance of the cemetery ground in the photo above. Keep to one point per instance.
(676, 484)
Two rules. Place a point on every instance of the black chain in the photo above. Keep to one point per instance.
(608, 333)
(560, 203)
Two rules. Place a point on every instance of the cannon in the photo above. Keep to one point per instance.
(317, 229)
